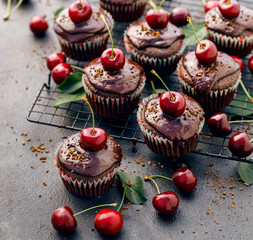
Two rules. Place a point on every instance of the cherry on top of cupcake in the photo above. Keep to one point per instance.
(80, 11)
(229, 8)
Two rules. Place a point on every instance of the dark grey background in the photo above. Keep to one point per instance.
(25, 215)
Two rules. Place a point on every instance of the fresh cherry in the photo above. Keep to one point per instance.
(178, 16)
(93, 140)
(219, 125)
(80, 11)
(206, 52)
(108, 221)
(113, 62)
(63, 219)
(54, 59)
(166, 203)
(157, 18)
(250, 64)
(184, 179)
(38, 25)
(240, 62)
(60, 72)
(229, 8)
(210, 5)
(240, 145)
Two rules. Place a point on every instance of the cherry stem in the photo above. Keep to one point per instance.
(159, 7)
(204, 2)
(8, 10)
(157, 188)
(245, 90)
(241, 121)
(228, 2)
(80, 5)
(103, 18)
(190, 22)
(92, 113)
(154, 6)
(251, 140)
(73, 66)
(13, 10)
(123, 197)
(152, 85)
(160, 176)
(171, 96)
(98, 206)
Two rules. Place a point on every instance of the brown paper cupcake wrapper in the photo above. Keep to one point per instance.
(161, 65)
(88, 50)
(164, 146)
(238, 46)
(210, 101)
(124, 12)
(114, 107)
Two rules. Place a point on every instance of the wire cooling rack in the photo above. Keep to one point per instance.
(77, 116)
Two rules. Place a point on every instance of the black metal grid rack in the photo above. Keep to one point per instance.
(76, 116)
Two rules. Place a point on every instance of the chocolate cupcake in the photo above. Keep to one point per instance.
(83, 41)
(124, 11)
(214, 85)
(86, 173)
(166, 135)
(113, 94)
(231, 35)
(158, 49)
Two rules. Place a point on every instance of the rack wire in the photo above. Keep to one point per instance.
(77, 116)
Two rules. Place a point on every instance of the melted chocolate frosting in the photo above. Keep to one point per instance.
(182, 127)
(82, 164)
(220, 75)
(122, 82)
(240, 26)
(80, 32)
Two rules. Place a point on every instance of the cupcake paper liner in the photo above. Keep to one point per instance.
(124, 12)
(164, 146)
(239, 46)
(210, 101)
(114, 107)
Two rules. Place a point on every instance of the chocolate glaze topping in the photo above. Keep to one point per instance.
(72, 32)
(124, 81)
(240, 26)
(206, 77)
(182, 127)
(82, 164)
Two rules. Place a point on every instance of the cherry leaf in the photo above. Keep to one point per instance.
(57, 12)
(245, 171)
(72, 83)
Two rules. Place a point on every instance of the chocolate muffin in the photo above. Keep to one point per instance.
(234, 36)
(86, 173)
(83, 41)
(113, 94)
(168, 136)
(124, 10)
(158, 49)
(213, 86)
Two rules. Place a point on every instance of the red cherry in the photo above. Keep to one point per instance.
(178, 16)
(174, 108)
(54, 59)
(166, 203)
(250, 64)
(115, 63)
(240, 145)
(93, 142)
(60, 72)
(208, 54)
(219, 125)
(108, 221)
(38, 25)
(63, 219)
(157, 18)
(210, 5)
(229, 8)
(80, 11)
(240, 62)
(184, 179)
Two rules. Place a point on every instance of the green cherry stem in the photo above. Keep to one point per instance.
(251, 140)
(157, 188)
(160, 176)
(190, 22)
(152, 85)
(92, 113)
(13, 10)
(204, 2)
(154, 73)
(152, 4)
(78, 68)
(123, 197)
(245, 90)
(241, 121)
(99, 206)
(103, 18)
(8, 10)
(159, 7)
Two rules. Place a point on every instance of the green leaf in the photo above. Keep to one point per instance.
(190, 38)
(57, 12)
(245, 171)
(239, 105)
(72, 83)
(68, 98)
(134, 185)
